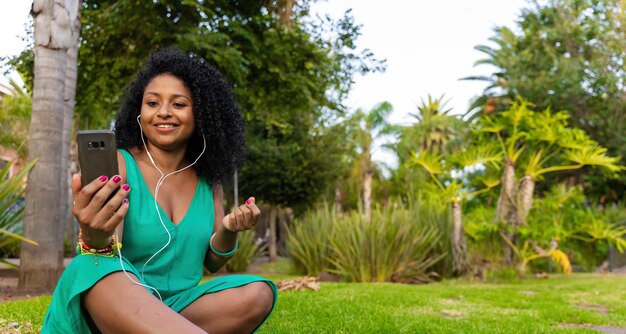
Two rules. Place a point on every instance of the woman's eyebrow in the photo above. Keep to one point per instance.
(174, 96)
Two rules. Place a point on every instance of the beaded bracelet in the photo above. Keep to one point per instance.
(108, 251)
(220, 254)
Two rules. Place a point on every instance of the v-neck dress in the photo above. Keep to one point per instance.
(174, 272)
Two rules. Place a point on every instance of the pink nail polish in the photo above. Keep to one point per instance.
(117, 179)
(103, 178)
(125, 201)
(248, 201)
(126, 187)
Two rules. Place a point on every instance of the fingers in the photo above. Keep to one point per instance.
(110, 213)
(254, 210)
(102, 195)
(83, 195)
(100, 205)
(76, 184)
(242, 218)
(230, 222)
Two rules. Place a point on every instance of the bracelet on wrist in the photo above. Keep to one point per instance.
(222, 254)
(108, 251)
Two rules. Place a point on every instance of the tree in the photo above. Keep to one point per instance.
(42, 265)
(372, 125)
(454, 191)
(435, 130)
(570, 54)
(535, 143)
(290, 79)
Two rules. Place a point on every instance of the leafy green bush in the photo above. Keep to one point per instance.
(12, 210)
(247, 251)
(401, 242)
(583, 232)
(308, 240)
(397, 244)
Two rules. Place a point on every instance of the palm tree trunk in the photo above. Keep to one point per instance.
(42, 265)
(68, 116)
(460, 262)
(338, 206)
(273, 214)
(506, 208)
(367, 194)
(506, 201)
(526, 191)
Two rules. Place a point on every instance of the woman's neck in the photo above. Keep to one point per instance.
(166, 161)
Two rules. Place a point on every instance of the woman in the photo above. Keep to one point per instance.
(179, 135)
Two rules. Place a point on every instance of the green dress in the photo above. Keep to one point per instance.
(175, 272)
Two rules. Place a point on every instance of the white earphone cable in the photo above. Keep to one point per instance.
(156, 207)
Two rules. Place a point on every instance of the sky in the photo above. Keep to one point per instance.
(428, 45)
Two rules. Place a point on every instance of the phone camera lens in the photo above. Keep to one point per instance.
(95, 144)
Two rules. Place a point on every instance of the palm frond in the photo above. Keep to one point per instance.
(594, 155)
(477, 154)
(432, 162)
(559, 257)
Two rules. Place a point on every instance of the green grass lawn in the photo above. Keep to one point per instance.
(550, 305)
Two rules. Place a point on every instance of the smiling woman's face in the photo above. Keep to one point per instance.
(167, 113)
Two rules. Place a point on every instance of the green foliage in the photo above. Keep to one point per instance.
(290, 78)
(392, 246)
(570, 54)
(435, 130)
(403, 242)
(247, 251)
(15, 119)
(11, 211)
(583, 231)
(309, 238)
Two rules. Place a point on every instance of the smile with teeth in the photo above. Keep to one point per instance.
(166, 125)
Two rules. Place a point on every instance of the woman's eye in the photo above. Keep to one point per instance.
(152, 104)
(179, 105)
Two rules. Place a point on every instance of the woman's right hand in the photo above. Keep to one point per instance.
(97, 217)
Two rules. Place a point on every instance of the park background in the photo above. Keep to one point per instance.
(519, 178)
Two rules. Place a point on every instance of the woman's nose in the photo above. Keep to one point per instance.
(164, 111)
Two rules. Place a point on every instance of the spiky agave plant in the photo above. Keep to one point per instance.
(11, 213)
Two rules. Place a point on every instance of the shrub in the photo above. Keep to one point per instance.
(401, 242)
(247, 251)
(308, 240)
(397, 244)
(12, 210)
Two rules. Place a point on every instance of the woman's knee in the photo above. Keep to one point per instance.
(259, 299)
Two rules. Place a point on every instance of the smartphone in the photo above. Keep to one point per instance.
(97, 154)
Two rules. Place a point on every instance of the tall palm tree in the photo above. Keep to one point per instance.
(373, 125)
(42, 265)
(435, 130)
(69, 162)
(436, 127)
(454, 192)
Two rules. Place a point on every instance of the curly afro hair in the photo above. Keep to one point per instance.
(215, 110)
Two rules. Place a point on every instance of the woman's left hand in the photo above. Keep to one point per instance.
(242, 218)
